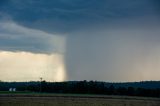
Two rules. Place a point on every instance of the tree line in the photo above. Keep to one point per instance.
(85, 87)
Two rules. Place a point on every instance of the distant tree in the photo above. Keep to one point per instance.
(130, 91)
(90, 87)
(121, 91)
(111, 90)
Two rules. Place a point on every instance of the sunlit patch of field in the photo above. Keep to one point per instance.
(74, 100)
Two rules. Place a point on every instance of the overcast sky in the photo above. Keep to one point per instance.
(106, 40)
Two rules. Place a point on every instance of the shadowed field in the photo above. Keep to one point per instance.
(74, 100)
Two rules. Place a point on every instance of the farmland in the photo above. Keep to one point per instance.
(74, 100)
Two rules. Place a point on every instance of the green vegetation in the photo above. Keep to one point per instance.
(145, 89)
(17, 92)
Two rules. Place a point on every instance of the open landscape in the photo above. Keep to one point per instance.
(74, 100)
(79, 93)
(79, 52)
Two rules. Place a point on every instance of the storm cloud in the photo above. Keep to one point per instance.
(109, 40)
(18, 38)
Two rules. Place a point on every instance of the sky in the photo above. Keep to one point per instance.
(61, 40)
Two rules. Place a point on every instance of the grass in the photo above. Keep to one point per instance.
(45, 99)
(17, 92)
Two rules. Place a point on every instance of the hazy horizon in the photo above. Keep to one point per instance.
(61, 40)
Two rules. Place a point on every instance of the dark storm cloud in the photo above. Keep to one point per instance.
(105, 39)
(63, 16)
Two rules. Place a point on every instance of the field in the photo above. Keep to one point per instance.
(23, 99)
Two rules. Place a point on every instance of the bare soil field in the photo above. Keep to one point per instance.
(74, 100)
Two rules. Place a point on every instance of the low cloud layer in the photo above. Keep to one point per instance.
(18, 38)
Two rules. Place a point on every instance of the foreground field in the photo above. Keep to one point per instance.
(74, 100)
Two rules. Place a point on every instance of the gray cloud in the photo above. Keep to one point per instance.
(115, 55)
(14, 37)
(116, 40)
(63, 16)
